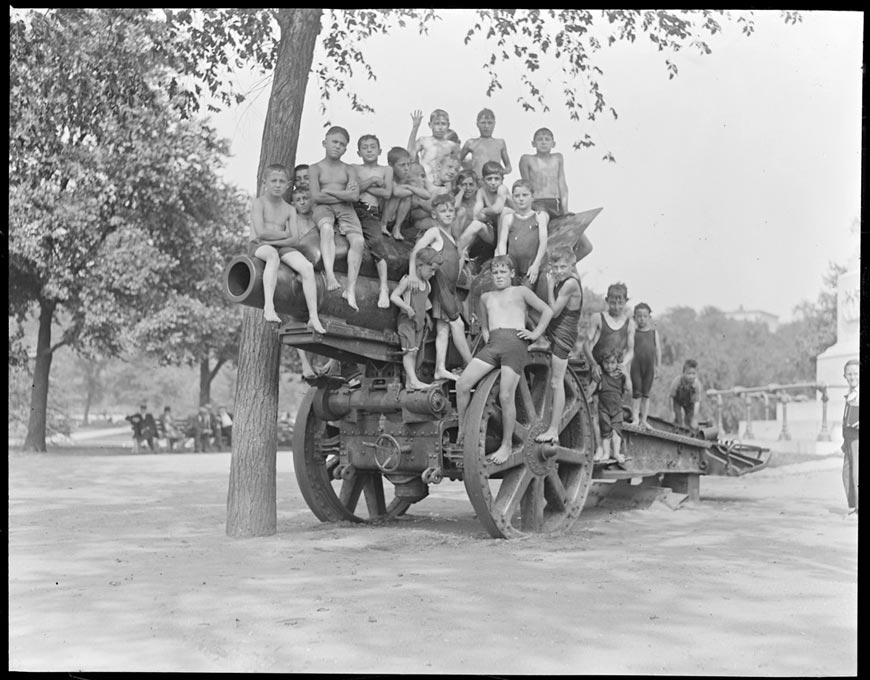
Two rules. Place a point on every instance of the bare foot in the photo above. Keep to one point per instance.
(397, 234)
(499, 456)
(384, 300)
(350, 296)
(599, 455)
(547, 436)
(645, 425)
(384, 230)
(270, 315)
(445, 375)
(413, 385)
(332, 282)
(314, 323)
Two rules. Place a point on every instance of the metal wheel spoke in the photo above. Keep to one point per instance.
(568, 414)
(511, 492)
(373, 486)
(521, 432)
(532, 507)
(554, 492)
(350, 491)
(529, 408)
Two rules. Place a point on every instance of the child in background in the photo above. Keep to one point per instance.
(486, 147)
(503, 326)
(645, 364)
(565, 297)
(685, 395)
(491, 200)
(334, 190)
(442, 182)
(300, 177)
(406, 186)
(852, 373)
(446, 305)
(610, 388)
(466, 194)
(300, 198)
(375, 186)
(429, 151)
(522, 234)
(414, 304)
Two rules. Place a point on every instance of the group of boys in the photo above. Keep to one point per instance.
(450, 199)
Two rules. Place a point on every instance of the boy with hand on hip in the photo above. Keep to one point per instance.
(334, 190)
(274, 230)
(375, 186)
(414, 304)
(503, 326)
(685, 395)
(486, 147)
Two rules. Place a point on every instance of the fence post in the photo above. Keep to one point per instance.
(748, 434)
(784, 398)
(825, 433)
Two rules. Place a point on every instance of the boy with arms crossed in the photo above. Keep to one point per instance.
(334, 190)
(273, 233)
(375, 186)
(503, 326)
(486, 147)
(491, 200)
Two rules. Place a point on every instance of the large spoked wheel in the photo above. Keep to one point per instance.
(316, 458)
(541, 488)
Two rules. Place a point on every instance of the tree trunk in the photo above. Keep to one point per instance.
(204, 382)
(35, 440)
(251, 501)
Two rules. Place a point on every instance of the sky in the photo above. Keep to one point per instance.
(735, 184)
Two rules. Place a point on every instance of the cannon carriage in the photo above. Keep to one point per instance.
(365, 448)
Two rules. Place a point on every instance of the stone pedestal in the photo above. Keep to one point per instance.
(829, 364)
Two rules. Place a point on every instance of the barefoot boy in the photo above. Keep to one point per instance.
(413, 317)
(610, 388)
(486, 147)
(429, 151)
(545, 171)
(405, 188)
(522, 234)
(685, 395)
(375, 187)
(852, 374)
(491, 200)
(565, 296)
(503, 326)
(273, 233)
(645, 364)
(334, 190)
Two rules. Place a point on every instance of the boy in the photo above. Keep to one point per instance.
(565, 297)
(413, 304)
(334, 190)
(300, 198)
(491, 200)
(610, 388)
(645, 364)
(546, 173)
(445, 301)
(522, 234)
(375, 187)
(485, 148)
(503, 326)
(442, 182)
(685, 395)
(405, 188)
(851, 372)
(611, 330)
(274, 230)
(300, 176)
(430, 151)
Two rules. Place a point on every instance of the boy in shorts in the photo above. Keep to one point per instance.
(486, 147)
(503, 326)
(375, 187)
(685, 395)
(413, 304)
(334, 189)
(405, 188)
(491, 200)
(565, 296)
(610, 388)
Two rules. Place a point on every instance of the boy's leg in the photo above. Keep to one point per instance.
(557, 384)
(270, 280)
(307, 368)
(409, 363)
(644, 411)
(354, 259)
(457, 331)
(601, 425)
(507, 395)
(403, 207)
(384, 295)
(300, 264)
(442, 337)
(472, 375)
(469, 234)
(327, 252)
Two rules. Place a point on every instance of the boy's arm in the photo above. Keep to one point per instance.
(532, 300)
(351, 193)
(535, 267)
(524, 167)
(484, 319)
(592, 336)
(563, 186)
(505, 161)
(416, 119)
(396, 297)
(465, 150)
(658, 345)
(318, 196)
(499, 202)
(629, 349)
(427, 238)
(569, 289)
(257, 221)
(385, 191)
(504, 226)
(478, 205)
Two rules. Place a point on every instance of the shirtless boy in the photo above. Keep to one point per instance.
(545, 171)
(273, 232)
(300, 176)
(301, 199)
(491, 200)
(375, 187)
(486, 147)
(334, 190)
(406, 187)
(429, 151)
(503, 326)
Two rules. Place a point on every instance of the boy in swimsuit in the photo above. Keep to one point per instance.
(405, 188)
(375, 187)
(522, 234)
(334, 189)
(491, 200)
(446, 305)
(685, 395)
(430, 151)
(273, 233)
(503, 326)
(545, 171)
(852, 374)
(486, 147)
(413, 305)
(610, 388)
(565, 296)
(645, 364)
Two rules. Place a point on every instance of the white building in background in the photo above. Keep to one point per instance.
(755, 315)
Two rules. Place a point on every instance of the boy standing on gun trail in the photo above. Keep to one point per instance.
(486, 147)
(545, 171)
(645, 364)
(610, 387)
(375, 186)
(522, 234)
(503, 326)
(685, 395)
(273, 232)
(413, 304)
(334, 190)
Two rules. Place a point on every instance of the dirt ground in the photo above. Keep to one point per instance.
(121, 563)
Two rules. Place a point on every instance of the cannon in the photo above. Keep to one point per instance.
(365, 449)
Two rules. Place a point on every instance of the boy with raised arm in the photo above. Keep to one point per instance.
(274, 232)
(430, 150)
(545, 171)
(334, 190)
(375, 186)
(503, 326)
(491, 200)
(486, 147)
